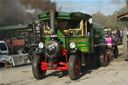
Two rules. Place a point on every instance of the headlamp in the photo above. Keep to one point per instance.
(41, 45)
(72, 45)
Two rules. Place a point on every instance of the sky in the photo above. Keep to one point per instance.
(107, 7)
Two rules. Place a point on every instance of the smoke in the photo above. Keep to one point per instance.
(14, 12)
(39, 4)
(11, 12)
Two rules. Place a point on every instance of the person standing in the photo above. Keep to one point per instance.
(109, 32)
(117, 32)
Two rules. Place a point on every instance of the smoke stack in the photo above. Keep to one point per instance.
(52, 22)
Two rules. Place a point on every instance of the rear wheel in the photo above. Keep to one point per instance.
(74, 67)
(110, 54)
(104, 58)
(36, 67)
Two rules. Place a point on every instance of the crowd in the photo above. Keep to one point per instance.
(116, 35)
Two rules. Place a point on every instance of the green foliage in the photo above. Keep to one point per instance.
(110, 21)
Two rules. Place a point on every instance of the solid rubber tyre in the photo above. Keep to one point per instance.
(104, 58)
(74, 67)
(37, 71)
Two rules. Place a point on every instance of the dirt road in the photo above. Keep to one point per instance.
(116, 73)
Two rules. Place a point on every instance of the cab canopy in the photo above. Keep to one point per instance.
(65, 15)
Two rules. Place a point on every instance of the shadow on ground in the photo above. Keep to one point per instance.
(84, 70)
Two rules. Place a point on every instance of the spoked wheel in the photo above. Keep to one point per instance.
(74, 67)
(104, 58)
(36, 67)
(115, 51)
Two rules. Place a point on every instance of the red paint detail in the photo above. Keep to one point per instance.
(77, 67)
(55, 65)
(45, 59)
(64, 52)
(105, 58)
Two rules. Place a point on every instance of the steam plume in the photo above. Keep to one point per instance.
(13, 12)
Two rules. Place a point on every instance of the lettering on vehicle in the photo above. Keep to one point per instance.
(80, 44)
(80, 40)
(84, 49)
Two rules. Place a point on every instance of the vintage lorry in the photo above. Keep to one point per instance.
(69, 40)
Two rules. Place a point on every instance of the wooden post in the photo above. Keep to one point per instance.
(125, 42)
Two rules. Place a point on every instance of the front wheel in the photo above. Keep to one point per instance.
(36, 67)
(74, 67)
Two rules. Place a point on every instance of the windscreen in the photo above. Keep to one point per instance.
(68, 26)
(3, 46)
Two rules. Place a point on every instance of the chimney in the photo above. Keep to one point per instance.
(52, 22)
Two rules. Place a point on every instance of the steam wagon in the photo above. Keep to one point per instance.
(69, 40)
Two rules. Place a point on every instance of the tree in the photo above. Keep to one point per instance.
(111, 20)
(39, 4)
(99, 18)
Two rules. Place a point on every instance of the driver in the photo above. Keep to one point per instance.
(106, 32)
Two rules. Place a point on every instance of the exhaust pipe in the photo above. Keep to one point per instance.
(52, 22)
(34, 31)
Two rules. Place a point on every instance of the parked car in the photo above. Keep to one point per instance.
(3, 50)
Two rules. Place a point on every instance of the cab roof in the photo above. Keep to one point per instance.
(65, 15)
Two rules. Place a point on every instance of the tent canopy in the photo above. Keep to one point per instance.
(123, 17)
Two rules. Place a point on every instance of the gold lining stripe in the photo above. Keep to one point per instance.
(82, 27)
(86, 28)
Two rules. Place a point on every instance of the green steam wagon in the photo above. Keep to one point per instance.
(69, 40)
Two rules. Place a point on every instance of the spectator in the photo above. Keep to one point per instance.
(106, 32)
(110, 32)
(117, 32)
